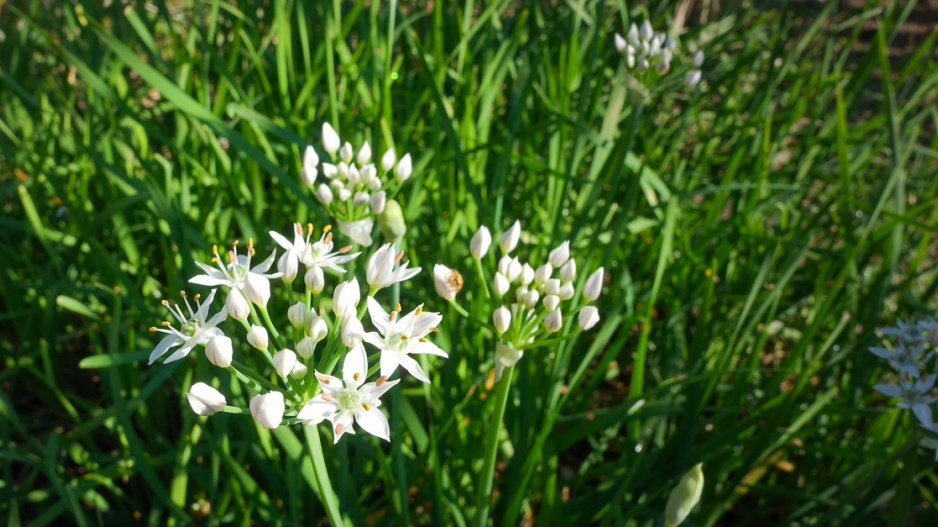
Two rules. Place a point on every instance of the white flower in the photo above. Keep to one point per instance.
(560, 255)
(589, 317)
(239, 274)
(594, 285)
(297, 314)
(352, 331)
(320, 255)
(288, 264)
(355, 401)
(568, 271)
(480, 243)
(236, 305)
(692, 77)
(632, 36)
(500, 284)
(284, 362)
(378, 201)
(315, 279)
(501, 318)
(620, 43)
(387, 160)
(218, 351)
(358, 230)
(345, 298)
(193, 330)
(330, 139)
(553, 321)
(268, 409)
(257, 337)
(324, 194)
(505, 357)
(400, 337)
(510, 238)
(404, 168)
(310, 162)
(447, 281)
(205, 400)
(380, 272)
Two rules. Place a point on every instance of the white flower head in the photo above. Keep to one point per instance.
(193, 330)
(320, 255)
(351, 401)
(381, 273)
(400, 337)
(239, 274)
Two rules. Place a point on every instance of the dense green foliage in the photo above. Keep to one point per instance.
(754, 232)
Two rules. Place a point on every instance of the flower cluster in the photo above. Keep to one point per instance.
(296, 382)
(647, 51)
(531, 300)
(356, 188)
(912, 348)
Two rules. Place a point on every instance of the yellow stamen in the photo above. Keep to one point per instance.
(309, 229)
(327, 228)
(356, 376)
(397, 306)
(403, 337)
(165, 324)
(182, 293)
(419, 310)
(423, 339)
(197, 297)
(434, 330)
(165, 302)
(214, 249)
(152, 328)
(366, 406)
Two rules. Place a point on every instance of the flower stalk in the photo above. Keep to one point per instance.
(490, 449)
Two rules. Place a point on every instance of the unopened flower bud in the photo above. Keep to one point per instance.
(447, 281)
(297, 314)
(257, 337)
(568, 271)
(305, 347)
(620, 43)
(566, 291)
(315, 279)
(560, 255)
(530, 298)
(698, 59)
(646, 32)
(345, 153)
(505, 357)
(404, 168)
(205, 400)
(364, 154)
(218, 351)
(594, 285)
(527, 274)
(330, 139)
(387, 160)
(284, 361)
(501, 284)
(378, 201)
(392, 222)
(542, 275)
(345, 298)
(299, 370)
(352, 331)
(257, 289)
(588, 317)
(692, 77)
(501, 318)
(267, 409)
(361, 198)
(344, 195)
(236, 305)
(510, 238)
(551, 302)
(552, 287)
(480, 243)
(684, 496)
(553, 321)
(316, 327)
(324, 194)
(310, 161)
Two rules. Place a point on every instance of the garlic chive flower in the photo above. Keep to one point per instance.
(399, 337)
(267, 409)
(193, 329)
(480, 243)
(356, 188)
(351, 401)
(448, 282)
(205, 400)
(649, 55)
(381, 273)
(238, 274)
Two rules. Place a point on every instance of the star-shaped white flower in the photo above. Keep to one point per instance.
(353, 401)
(381, 273)
(320, 254)
(293, 252)
(239, 274)
(193, 330)
(399, 338)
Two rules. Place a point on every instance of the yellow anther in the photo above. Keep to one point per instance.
(182, 293)
(250, 242)
(356, 376)
(419, 310)
(235, 244)
(215, 259)
(197, 297)
(392, 316)
(165, 302)
(366, 406)
(403, 337)
(309, 229)
(165, 324)
(152, 328)
(214, 249)
(397, 307)
(422, 339)
(434, 330)
(327, 228)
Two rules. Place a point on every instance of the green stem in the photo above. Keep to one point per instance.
(487, 475)
(321, 474)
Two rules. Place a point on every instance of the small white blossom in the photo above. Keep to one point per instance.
(257, 337)
(297, 314)
(352, 331)
(324, 194)
(330, 139)
(205, 400)
(387, 160)
(345, 298)
(381, 273)
(239, 274)
(594, 285)
(500, 284)
(267, 409)
(510, 238)
(447, 282)
(501, 318)
(560, 255)
(480, 243)
(218, 351)
(284, 362)
(404, 168)
(193, 330)
(589, 317)
(400, 337)
(553, 321)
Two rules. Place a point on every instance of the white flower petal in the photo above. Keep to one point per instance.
(374, 422)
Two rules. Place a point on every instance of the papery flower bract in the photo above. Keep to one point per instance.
(205, 400)
(353, 401)
(588, 317)
(505, 357)
(510, 238)
(447, 281)
(359, 231)
(267, 409)
(381, 273)
(400, 337)
(480, 242)
(218, 351)
(193, 329)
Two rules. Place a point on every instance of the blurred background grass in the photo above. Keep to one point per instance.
(755, 232)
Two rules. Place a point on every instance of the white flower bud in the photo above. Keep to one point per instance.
(620, 43)
(378, 201)
(568, 271)
(387, 160)
(344, 194)
(330, 139)
(218, 351)
(354, 176)
(566, 291)
(345, 153)
(315, 279)
(514, 270)
(698, 59)
(308, 175)
(501, 318)
(236, 305)
(316, 327)
(503, 264)
(520, 292)
(368, 175)
(588, 317)
(267, 409)
(632, 35)
(663, 65)
(553, 321)
(530, 298)
(305, 347)
(352, 331)
(692, 77)
(447, 281)
(551, 302)
(505, 357)
(341, 170)
(297, 314)
(329, 170)
(257, 289)
(324, 194)
(345, 298)
(289, 265)
(501, 284)
(684, 496)
(480, 243)
(284, 361)
(527, 274)
(205, 400)
(560, 255)
(257, 337)
(510, 238)
(542, 275)
(646, 32)
(552, 287)
(361, 198)
(299, 370)
(404, 168)
(594, 285)
(364, 154)
(310, 161)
